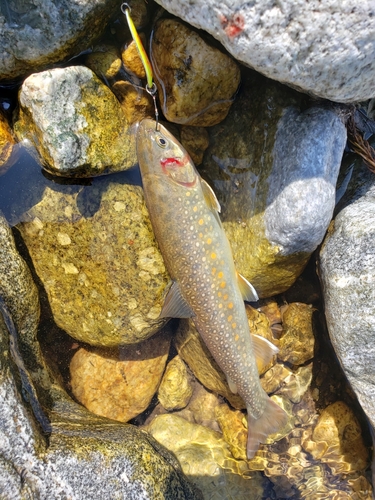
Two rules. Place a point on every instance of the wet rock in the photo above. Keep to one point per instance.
(337, 440)
(95, 253)
(132, 61)
(75, 123)
(234, 430)
(347, 272)
(194, 352)
(282, 42)
(274, 169)
(136, 103)
(297, 341)
(8, 148)
(35, 33)
(202, 408)
(119, 384)
(176, 388)
(196, 81)
(104, 61)
(206, 459)
(195, 141)
(297, 383)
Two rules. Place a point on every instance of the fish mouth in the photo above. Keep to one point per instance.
(179, 169)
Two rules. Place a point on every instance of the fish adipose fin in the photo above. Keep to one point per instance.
(264, 350)
(247, 290)
(272, 419)
(175, 306)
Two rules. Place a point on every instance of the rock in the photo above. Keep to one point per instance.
(201, 408)
(9, 153)
(75, 123)
(274, 168)
(35, 33)
(347, 272)
(176, 388)
(206, 459)
(196, 82)
(136, 103)
(322, 48)
(95, 253)
(132, 61)
(337, 440)
(195, 140)
(233, 429)
(104, 61)
(119, 384)
(297, 341)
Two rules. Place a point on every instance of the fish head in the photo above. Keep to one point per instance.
(160, 155)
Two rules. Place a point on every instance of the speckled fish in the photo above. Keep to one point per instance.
(206, 287)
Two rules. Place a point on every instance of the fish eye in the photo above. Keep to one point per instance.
(162, 142)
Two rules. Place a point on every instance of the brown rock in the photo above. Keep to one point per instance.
(119, 384)
(104, 61)
(195, 141)
(8, 147)
(176, 387)
(132, 61)
(136, 103)
(297, 342)
(196, 81)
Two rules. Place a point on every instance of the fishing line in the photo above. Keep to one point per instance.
(150, 85)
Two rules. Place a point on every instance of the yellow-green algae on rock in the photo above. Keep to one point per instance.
(175, 388)
(297, 341)
(94, 251)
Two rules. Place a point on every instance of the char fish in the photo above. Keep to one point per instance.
(206, 287)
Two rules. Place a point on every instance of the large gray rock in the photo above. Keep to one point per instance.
(325, 48)
(347, 271)
(37, 33)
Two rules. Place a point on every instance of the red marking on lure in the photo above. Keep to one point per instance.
(232, 26)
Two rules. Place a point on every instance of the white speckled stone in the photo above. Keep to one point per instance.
(323, 47)
(347, 270)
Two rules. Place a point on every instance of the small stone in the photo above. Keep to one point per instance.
(104, 61)
(202, 408)
(196, 81)
(119, 384)
(275, 377)
(131, 59)
(135, 102)
(195, 140)
(175, 388)
(297, 341)
(337, 440)
(233, 429)
(9, 153)
(297, 383)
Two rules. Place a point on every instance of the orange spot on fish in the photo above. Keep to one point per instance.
(220, 275)
(220, 306)
(234, 325)
(230, 305)
(209, 241)
(188, 193)
(195, 209)
(219, 294)
(222, 285)
(230, 318)
(200, 235)
(236, 337)
(225, 296)
(200, 222)
(213, 270)
(213, 255)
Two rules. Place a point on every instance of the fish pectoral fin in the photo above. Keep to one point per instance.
(264, 350)
(247, 290)
(175, 306)
(272, 419)
(210, 196)
(232, 385)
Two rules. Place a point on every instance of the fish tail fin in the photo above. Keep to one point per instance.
(272, 419)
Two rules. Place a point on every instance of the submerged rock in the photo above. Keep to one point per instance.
(37, 33)
(324, 48)
(176, 388)
(8, 148)
(95, 253)
(196, 81)
(119, 384)
(104, 61)
(75, 123)
(274, 170)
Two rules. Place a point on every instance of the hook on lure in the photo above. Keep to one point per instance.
(150, 85)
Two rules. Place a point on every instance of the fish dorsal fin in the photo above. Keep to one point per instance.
(175, 306)
(210, 196)
(232, 385)
(247, 290)
(264, 350)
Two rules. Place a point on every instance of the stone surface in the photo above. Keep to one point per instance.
(132, 61)
(119, 384)
(274, 168)
(95, 253)
(206, 460)
(136, 103)
(8, 148)
(104, 61)
(175, 388)
(75, 123)
(347, 272)
(297, 340)
(196, 82)
(37, 33)
(195, 140)
(323, 48)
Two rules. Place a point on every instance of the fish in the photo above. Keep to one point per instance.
(206, 287)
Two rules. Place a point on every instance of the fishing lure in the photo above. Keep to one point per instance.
(150, 85)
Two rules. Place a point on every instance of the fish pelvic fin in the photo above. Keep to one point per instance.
(247, 290)
(175, 306)
(272, 419)
(264, 351)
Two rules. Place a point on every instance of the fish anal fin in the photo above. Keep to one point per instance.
(210, 196)
(175, 306)
(247, 290)
(232, 385)
(272, 419)
(264, 350)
